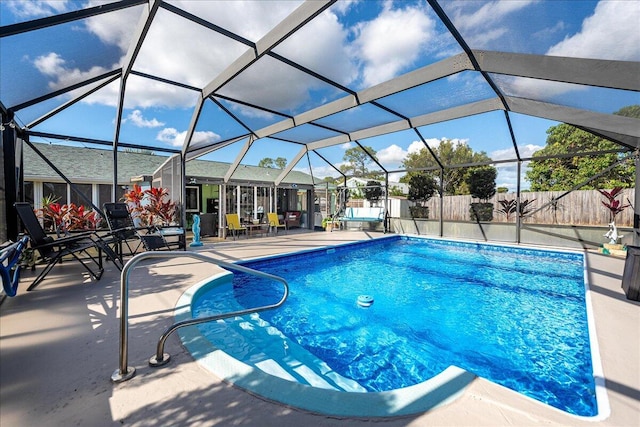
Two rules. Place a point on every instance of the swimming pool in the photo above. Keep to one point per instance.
(515, 316)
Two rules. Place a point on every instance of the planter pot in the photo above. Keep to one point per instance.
(481, 211)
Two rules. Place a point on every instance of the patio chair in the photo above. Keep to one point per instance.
(86, 248)
(122, 228)
(126, 233)
(274, 222)
(234, 226)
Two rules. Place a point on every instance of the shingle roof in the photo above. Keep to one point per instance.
(81, 164)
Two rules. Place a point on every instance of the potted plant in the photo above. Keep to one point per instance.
(615, 207)
(422, 187)
(482, 185)
(327, 223)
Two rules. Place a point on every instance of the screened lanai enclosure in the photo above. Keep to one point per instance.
(306, 81)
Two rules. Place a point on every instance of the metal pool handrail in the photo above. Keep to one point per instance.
(124, 372)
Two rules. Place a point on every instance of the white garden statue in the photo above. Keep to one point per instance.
(612, 234)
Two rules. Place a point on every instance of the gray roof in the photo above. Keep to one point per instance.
(84, 165)
(244, 173)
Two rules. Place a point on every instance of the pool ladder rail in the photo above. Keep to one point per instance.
(124, 372)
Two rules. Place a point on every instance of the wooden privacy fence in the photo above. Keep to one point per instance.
(581, 207)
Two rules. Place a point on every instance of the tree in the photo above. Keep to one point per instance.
(422, 187)
(357, 161)
(482, 182)
(373, 191)
(449, 153)
(482, 185)
(565, 173)
(268, 162)
(503, 189)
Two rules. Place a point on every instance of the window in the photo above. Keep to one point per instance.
(246, 203)
(104, 194)
(192, 201)
(56, 191)
(28, 193)
(84, 189)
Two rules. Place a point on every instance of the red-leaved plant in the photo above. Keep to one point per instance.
(149, 207)
(63, 218)
(613, 204)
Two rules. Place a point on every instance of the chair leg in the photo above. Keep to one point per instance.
(114, 256)
(43, 273)
(93, 274)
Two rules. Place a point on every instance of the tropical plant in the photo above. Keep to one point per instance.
(508, 207)
(79, 218)
(612, 203)
(150, 207)
(63, 218)
(554, 207)
(525, 207)
(52, 215)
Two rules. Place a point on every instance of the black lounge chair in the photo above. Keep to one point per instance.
(52, 251)
(122, 228)
(125, 232)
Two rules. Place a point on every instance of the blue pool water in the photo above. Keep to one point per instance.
(514, 316)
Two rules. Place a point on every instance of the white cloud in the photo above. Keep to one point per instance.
(508, 172)
(328, 54)
(416, 146)
(32, 9)
(114, 28)
(483, 25)
(324, 171)
(135, 117)
(491, 13)
(391, 155)
(250, 19)
(173, 137)
(392, 41)
(54, 66)
(395, 177)
(610, 33)
(525, 151)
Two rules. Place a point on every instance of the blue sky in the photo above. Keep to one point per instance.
(355, 43)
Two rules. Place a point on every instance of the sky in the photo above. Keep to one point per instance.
(356, 44)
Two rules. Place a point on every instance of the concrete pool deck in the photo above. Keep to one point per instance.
(59, 346)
